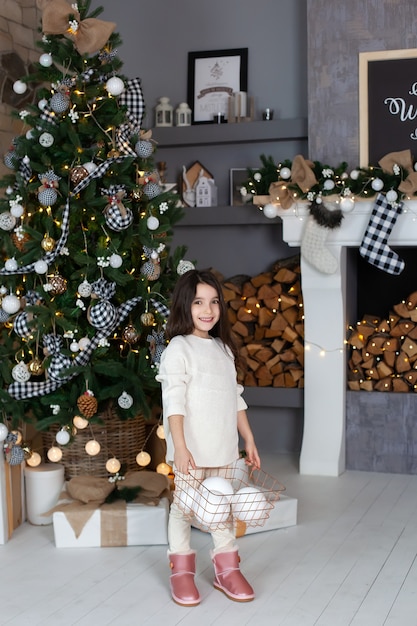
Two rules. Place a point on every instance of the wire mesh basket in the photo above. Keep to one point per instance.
(215, 498)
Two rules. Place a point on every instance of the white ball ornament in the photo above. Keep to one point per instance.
(115, 260)
(20, 372)
(83, 343)
(45, 60)
(143, 459)
(212, 510)
(392, 195)
(115, 86)
(10, 304)
(354, 174)
(30, 134)
(19, 87)
(40, 267)
(125, 400)
(7, 221)
(347, 205)
(285, 173)
(84, 289)
(217, 484)
(17, 210)
(92, 447)
(4, 431)
(3, 290)
(270, 211)
(377, 184)
(11, 265)
(184, 266)
(90, 166)
(152, 222)
(328, 185)
(42, 104)
(74, 347)
(249, 504)
(62, 437)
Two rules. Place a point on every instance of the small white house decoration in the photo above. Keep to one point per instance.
(205, 192)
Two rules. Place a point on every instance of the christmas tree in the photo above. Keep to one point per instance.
(86, 269)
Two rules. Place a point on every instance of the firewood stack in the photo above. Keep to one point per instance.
(266, 313)
(384, 351)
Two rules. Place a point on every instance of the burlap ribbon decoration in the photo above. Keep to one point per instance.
(301, 174)
(404, 160)
(89, 35)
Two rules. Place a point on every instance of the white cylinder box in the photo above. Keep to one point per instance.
(43, 485)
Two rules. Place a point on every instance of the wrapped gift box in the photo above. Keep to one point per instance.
(110, 525)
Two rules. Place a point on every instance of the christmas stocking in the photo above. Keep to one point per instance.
(374, 247)
(313, 244)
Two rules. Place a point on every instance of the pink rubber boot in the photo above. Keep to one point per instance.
(229, 578)
(183, 589)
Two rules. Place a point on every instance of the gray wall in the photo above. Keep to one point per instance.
(337, 32)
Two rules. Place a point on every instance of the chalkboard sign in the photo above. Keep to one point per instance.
(387, 103)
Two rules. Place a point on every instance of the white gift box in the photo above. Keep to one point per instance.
(134, 525)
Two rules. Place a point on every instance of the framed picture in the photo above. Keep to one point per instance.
(387, 103)
(238, 176)
(213, 76)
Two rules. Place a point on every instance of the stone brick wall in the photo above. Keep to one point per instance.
(19, 21)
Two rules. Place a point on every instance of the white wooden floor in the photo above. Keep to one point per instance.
(351, 560)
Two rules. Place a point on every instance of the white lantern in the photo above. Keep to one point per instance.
(163, 112)
(34, 460)
(80, 422)
(143, 459)
(113, 466)
(54, 454)
(183, 115)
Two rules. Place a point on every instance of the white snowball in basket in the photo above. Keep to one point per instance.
(187, 499)
(213, 508)
(249, 504)
(217, 484)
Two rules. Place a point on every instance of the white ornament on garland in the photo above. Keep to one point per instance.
(115, 260)
(10, 304)
(125, 400)
(19, 87)
(152, 222)
(17, 210)
(11, 265)
(392, 195)
(40, 267)
(377, 184)
(20, 372)
(270, 211)
(285, 173)
(115, 86)
(46, 59)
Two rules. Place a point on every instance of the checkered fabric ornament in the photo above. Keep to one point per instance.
(132, 98)
(374, 247)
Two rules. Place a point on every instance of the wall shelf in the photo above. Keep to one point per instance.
(244, 132)
(225, 216)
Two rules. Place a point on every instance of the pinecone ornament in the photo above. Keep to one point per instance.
(87, 404)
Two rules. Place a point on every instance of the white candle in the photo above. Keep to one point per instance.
(240, 103)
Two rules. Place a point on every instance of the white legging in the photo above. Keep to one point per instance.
(179, 524)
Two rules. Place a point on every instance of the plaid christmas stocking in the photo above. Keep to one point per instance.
(313, 243)
(374, 247)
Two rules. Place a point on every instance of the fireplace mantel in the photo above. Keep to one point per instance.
(325, 324)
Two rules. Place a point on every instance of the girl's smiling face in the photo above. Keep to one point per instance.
(205, 310)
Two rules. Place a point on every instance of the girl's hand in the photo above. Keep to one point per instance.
(252, 456)
(183, 460)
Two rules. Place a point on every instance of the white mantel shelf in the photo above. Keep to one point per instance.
(324, 295)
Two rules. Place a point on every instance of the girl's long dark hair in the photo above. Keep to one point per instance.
(180, 321)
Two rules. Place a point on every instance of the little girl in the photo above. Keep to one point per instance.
(204, 413)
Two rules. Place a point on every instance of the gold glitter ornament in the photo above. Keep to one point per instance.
(130, 334)
(58, 285)
(35, 366)
(48, 243)
(147, 318)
